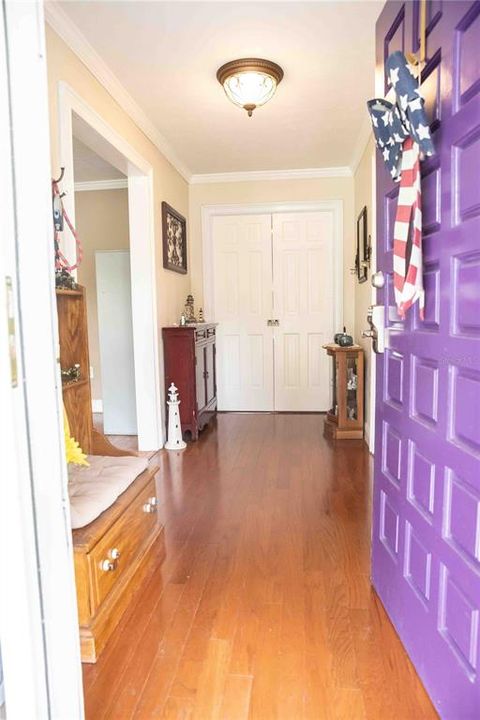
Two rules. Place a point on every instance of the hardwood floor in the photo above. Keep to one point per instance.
(263, 607)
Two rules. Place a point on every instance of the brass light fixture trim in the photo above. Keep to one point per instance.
(253, 68)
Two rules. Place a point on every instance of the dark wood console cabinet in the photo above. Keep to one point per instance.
(189, 355)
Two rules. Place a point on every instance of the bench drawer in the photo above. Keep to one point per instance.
(115, 553)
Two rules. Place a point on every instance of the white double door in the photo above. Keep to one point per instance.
(274, 302)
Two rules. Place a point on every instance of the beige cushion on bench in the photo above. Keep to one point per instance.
(93, 489)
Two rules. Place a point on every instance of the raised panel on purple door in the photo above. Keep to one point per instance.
(467, 70)
(458, 622)
(389, 525)
(421, 479)
(431, 284)
(394, 372)
(466, 281)
(431, 89)
(461, 518)
(392, 454)
(466, 161)
(464, 408)
(424, 394)
(431, 197)
(418, 565)
(395, 38)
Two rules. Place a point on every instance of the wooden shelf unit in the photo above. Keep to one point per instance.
(344, 420)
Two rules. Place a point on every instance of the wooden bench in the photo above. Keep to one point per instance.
(113, 553)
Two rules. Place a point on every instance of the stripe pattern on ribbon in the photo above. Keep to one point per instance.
(407, 236)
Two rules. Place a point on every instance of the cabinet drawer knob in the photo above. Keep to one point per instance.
(114, 553)
(108, 565)
(151, 505)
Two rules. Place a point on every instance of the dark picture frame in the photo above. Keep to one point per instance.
(362, 257)
(174, 238)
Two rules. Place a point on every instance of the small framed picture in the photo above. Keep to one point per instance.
(174, 235)
(362, 257)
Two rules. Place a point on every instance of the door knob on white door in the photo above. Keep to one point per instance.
(273, 323)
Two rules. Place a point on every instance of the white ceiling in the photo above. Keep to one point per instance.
(166, 55)
(90, 167)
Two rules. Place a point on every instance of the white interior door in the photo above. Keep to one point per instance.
(114, 302)
(303, 284)
(242, 304)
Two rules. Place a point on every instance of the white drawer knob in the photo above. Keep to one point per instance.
(114, 553)
(108, 565)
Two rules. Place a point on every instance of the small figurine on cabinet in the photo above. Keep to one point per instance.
(190, 310)
(201, 319)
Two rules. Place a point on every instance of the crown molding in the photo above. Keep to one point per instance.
(362, 142)
(77, 42)
(117, 184)
(255, 175)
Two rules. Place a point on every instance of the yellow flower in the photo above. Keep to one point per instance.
(73, 451)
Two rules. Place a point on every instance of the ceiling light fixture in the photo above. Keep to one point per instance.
(250, 82)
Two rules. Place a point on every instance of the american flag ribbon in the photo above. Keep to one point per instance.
(407, 234)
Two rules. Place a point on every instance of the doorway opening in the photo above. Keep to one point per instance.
(126, 316)
(101, 210)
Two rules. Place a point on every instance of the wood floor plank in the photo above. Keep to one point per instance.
(212, 680)
(263, 607)
(236, 697)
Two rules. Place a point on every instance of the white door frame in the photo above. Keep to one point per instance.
(335, 207)
(38, 609)
(142, 253)
(211, 211)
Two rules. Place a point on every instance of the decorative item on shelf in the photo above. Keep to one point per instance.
(343, 339)
(345, 419)
(362, 257)
(71, 374)
(190, 310)
(201, 319)
(183, 320)
(175, 440)
(174, 231)
(250, 82)
(64, 280)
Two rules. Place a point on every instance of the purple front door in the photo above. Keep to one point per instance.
(426, 525)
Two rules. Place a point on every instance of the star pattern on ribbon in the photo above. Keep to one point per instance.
(394, 76)
(423, 131)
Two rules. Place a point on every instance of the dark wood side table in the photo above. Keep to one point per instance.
(345, 418)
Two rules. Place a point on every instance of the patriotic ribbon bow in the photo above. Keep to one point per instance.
(401, 133)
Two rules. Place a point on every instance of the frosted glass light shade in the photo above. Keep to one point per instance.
(251, 82)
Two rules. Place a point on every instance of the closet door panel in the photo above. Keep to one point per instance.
(304, 307)
(243, 305)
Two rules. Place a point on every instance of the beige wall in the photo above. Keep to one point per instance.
(273, 191)
(102, 224)
(363, 291)
(63, 64)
